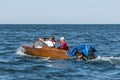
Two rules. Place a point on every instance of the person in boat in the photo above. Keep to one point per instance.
(62, 43)
(50, 42)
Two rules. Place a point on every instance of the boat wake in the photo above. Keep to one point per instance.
(107, 58)
(110, 59)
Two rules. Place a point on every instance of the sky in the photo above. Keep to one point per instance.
(59, 11)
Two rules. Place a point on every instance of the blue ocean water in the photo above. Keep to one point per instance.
(14, 65)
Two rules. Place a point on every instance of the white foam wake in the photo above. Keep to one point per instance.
(20, 51)
(104, 58)
(110, 59)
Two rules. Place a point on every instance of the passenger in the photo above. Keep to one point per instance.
(63, 43)
(50, 42)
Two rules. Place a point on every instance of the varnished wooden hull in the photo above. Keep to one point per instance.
(46, 52)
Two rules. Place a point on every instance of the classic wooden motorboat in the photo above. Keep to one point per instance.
(52, 53)
(55, 53)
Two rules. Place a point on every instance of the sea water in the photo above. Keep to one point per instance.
(15, 65)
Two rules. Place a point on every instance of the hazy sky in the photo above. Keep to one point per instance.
(59, 11)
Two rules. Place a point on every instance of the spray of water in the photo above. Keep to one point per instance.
(20, 51)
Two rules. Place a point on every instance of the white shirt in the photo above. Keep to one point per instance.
(50, 43)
